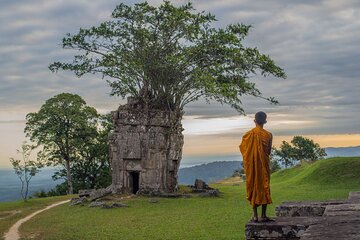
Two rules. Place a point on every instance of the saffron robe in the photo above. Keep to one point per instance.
(255, 149)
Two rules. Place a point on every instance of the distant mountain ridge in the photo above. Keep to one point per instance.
(343, 151)
(208, 172)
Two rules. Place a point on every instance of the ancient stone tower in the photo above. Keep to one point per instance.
(145, 149)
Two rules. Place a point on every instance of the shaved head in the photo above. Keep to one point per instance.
(260, 118)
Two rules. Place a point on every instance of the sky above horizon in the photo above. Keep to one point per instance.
(315, 42)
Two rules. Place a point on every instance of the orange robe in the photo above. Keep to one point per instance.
(255, 149)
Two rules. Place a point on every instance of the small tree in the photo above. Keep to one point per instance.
(306, 149)
(25, 168)
(274, 161)
(300, 149)
(285, 154)
(62, 126)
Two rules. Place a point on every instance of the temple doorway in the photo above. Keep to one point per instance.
(134, 182)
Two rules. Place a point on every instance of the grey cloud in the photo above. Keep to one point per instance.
(316, 42)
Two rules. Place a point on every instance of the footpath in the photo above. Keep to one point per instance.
(339, 219)
(13, 233)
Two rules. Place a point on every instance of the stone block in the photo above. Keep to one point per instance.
(85, 192)
(302, 209)
(132, 118)
(343, 210)
(78, 201)
(334, 228)
(354, 197)
(133, 165)
(282, 228)
(130, 148)
(99, 193)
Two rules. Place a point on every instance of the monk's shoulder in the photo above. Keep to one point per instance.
(248, 133)
(268, 133)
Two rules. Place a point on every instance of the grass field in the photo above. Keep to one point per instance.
(192, 218)
(11, 212)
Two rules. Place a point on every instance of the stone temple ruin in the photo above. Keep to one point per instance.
(145, 149)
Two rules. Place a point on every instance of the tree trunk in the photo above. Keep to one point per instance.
(69, 178)
(27, 189)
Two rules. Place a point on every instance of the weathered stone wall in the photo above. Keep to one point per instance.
(147, 144)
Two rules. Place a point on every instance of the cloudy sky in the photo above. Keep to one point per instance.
(316, 42)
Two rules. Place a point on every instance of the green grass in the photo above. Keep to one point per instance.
(24, 208)
(195, 218)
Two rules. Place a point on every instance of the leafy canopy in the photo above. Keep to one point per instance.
(63, 123)
(300, 149)
(62, 126)
(168, 56)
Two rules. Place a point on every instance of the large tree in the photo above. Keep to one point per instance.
(62, 126)
(168, 56)
(91, 170)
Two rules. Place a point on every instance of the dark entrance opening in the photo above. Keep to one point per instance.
(134, 180)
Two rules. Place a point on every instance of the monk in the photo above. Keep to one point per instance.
(255, 149)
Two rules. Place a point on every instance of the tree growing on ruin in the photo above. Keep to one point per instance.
(167, 56)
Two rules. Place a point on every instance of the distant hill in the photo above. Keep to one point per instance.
(340, 172)
(343, 151)
(10, 185)
(217, 170)
(209, 172)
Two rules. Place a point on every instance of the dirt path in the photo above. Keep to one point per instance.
(13, 233)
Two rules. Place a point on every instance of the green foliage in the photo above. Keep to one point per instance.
(306, 149)
(92, 169)
(40, 194)
(168, 56)
(238, 172)
(274, 166)
(285, 154)
(73, 136)
(301, 149)
(25, 168)
(58, 190)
